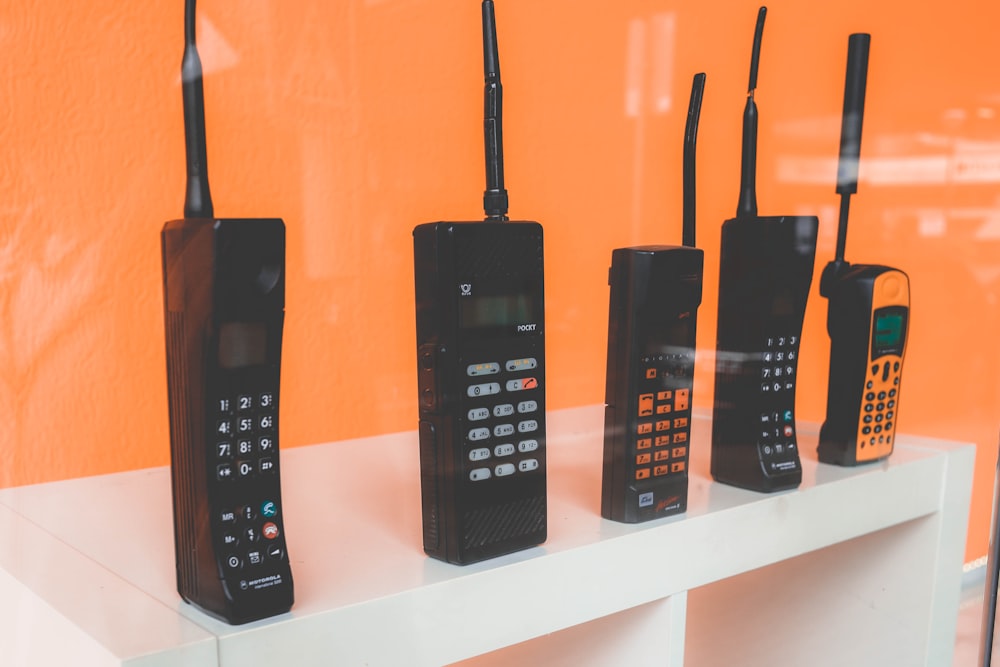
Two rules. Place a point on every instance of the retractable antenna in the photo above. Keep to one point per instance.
(198, 199)
(748, 167)
(495, 196)
(690, 143)
(850, 149)
(850, 131)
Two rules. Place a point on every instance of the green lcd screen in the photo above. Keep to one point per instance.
(889, 331)
(497, 311)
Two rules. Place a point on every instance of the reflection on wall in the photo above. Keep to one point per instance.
(649, 79)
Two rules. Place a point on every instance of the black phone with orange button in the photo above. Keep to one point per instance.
(480, 312)
(652, 327)
(224, 309)
(765, 272)
(868, 316)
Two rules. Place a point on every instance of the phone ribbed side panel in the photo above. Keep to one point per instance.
(428, 486)
(182, 455)
(505, 521)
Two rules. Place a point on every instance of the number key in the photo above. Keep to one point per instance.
(244, 402)
(266, 400)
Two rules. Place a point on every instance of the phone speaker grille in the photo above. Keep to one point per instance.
(516, 253)
(182, 463)
(498, 523)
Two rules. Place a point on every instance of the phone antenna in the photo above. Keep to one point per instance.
(850, 130)
(850, 150)
(197, 199)
(748, 167)
(495, 197)
(690, 143)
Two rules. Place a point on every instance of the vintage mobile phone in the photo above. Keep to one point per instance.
(868, 315)
(481, 367)
(766, 266)
(652, 322)
(224, 299)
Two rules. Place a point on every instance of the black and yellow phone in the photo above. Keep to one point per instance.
(868, 315)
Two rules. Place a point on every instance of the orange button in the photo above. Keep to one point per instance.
(661, 470)
(650, 373)
(645, 405)
(642, 459)
(681, 399)
(681, 422)
(662, 440)
(645, 428)
(663, 425)
(642, 473)
(664, 395)
(678, 452)
(677, 467)
(663, 409)
(644, 443)
(662, 455)
(680, 437)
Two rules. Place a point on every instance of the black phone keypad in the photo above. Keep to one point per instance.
(777, 442)
(878, 409)
(248, 516)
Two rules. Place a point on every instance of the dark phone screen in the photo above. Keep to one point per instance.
(242, 344)
(497, 311)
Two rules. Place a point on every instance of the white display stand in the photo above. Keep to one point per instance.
(859, 566)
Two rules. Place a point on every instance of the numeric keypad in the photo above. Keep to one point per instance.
(504, 418)
(248, 524)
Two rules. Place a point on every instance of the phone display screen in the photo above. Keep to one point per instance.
(888, 331)
(242, 344)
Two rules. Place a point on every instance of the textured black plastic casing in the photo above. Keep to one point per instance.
(653, 290)
(465, 521)
(766, 267)
(217, 272)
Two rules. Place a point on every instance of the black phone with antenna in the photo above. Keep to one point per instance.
(766, 267)
(868, 316)
(652, 326)
(481, 366)
(224, 306)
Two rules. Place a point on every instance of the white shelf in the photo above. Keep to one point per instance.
(855, 555)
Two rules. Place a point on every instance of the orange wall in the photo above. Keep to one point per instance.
(356, 120)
